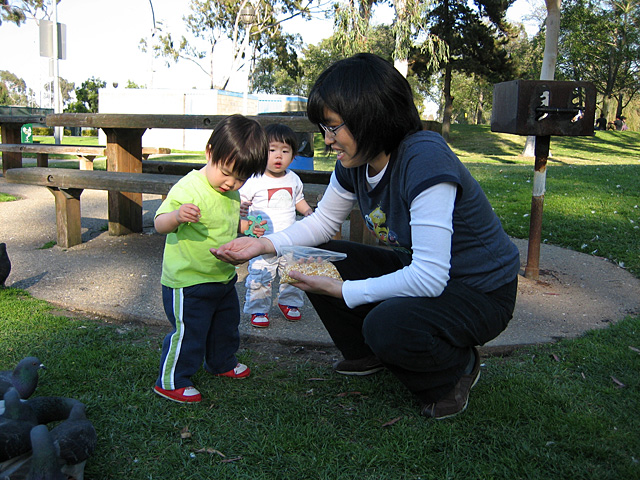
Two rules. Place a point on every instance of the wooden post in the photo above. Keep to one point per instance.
(11, 134)
(532, 269)
(67, 216)
(124, 154)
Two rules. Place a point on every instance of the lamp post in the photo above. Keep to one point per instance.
(58, 132)
(247, 17)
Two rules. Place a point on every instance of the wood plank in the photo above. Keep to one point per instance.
(93, 180)
(319, 177)
(72, 149)
(53, 149)
(117, 120)
(22, 119)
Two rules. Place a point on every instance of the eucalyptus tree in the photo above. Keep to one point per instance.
(251, 26)
(20, 11)
(476, 34)
(13, 90)
(600, 43)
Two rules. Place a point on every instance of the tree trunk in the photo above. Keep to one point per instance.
(480, 109)
(448, 104)
(401, 64)
(549, 59)
(532, 269)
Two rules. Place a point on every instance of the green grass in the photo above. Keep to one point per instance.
(547, 412)
(5, 197)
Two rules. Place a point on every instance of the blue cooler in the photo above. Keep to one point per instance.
(302, 163)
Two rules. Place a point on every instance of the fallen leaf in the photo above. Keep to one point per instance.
(555, 357)
(637, 350)
(391, 422)
(211, 451)
(582, 373)
(344, 394)
(617, 382)
(227, 460)
(550, 293)
(185, 433)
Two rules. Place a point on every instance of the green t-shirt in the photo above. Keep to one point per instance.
(187, 260)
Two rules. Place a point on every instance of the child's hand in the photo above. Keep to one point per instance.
(259, 229)
(244, 209)
(188, 212)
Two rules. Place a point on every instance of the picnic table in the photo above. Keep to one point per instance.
(124, 149)
(10, 126)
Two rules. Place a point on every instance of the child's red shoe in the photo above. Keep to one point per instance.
(180, 395)
(240, 371)
(260, 320)
(290, 313)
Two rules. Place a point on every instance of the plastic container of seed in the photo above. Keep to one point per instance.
(310, 261)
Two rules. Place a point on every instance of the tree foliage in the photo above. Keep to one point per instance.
(476, 35)
(600, 43)
(66, 89)
(211, 21)
(19, 11)
(13, 90)
(87, 97)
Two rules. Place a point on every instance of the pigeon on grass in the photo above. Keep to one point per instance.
(44, 459)
(15, 426)
(75, 440)
(51, 409)
(24, 378)
(5, 264)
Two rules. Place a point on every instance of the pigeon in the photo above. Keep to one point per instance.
(23, 378)
(15, 426)
(51, 409)
(75, 439)
(5, 264)
(44, 459)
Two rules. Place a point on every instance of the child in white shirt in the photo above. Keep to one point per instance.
(275, 196)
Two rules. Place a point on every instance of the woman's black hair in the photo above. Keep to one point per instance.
(374, 100)
(241, 142)
(278, 132)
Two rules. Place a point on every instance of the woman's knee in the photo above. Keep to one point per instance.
(382, 331)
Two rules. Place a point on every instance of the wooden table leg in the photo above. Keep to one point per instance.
(67, 216)
(124, 154)
(11, 134)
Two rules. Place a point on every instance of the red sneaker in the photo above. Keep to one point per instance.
(240, 371)
(260, 320)
(180, 395)
(290, 313)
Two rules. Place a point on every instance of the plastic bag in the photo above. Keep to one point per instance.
(310, 261)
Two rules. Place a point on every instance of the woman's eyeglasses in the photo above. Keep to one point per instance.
(331, 130)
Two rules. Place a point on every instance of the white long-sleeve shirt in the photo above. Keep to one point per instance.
(431, 230)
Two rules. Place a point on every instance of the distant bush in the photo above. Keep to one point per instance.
(42, 131)
(89, 132)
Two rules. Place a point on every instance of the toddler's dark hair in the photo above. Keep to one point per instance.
(241, 142)
(278, 132)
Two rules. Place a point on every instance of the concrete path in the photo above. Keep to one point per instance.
(119, 277)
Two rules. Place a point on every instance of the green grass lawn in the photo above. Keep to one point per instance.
(562, 411)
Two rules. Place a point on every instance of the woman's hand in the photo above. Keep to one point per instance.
(317, 284)
(242, 249)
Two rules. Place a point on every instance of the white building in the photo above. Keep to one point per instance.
(189, 102)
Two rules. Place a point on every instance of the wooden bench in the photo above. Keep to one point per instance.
(85, 153)
(67, 185)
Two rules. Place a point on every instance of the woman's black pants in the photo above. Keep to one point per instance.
(426, 342)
